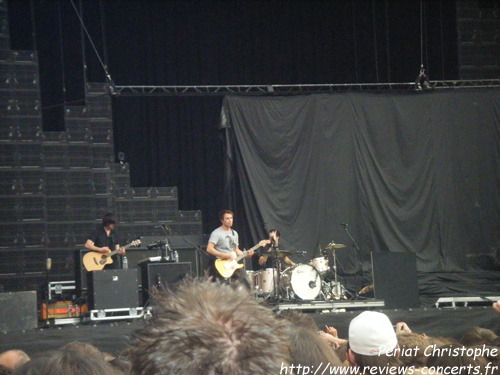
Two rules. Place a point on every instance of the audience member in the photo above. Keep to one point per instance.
(298, 318)
(210, 328)
(4, 370)
(372, 343)
(13, 358)
(309, 350)
(478, 336)
(496, 306)
(67, 361)
(413, 346)
(451, 361)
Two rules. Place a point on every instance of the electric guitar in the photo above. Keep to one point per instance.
(94, 261)
(226, 267)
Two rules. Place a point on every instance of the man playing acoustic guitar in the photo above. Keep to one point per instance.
(103, 239)
(224, 245)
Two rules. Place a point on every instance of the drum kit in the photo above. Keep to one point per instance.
(314, 280)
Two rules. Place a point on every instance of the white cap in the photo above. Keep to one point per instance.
(371, 333)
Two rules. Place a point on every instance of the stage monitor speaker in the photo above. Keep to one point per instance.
(162, 276)
(18, 311)
(133, 255)
(395, 279)
(112, 289)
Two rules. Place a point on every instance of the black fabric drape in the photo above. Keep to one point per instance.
(409, 172)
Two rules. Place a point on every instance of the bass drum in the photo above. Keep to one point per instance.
(301, 281)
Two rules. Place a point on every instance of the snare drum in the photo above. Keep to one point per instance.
(303, 280)
(320, 263)
(265, 280)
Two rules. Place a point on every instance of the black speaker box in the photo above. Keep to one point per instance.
(162, 276)
(133, 256)
(395, 279)
(18, 311)
(112, 289)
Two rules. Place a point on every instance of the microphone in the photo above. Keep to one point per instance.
(163, 226)
(344, 225)
(49, 264)
(154, 244)
(273, 241)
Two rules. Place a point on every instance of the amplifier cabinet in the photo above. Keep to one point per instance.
(133, 255)
(162, 276)
(18, 311)
(112, 289)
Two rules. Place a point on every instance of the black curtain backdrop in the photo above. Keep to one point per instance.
(410, 172)
(176, 141)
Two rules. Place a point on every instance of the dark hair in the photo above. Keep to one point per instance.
(223, 212)
(298, 319)
(210, 328)
(108, 219)
(446, 360)
(309, 349)
(417, 344)
(67, 361)
(278, 234)
(383, 362)
(477, 336)
(4, 370)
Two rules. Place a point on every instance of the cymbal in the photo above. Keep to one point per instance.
(333, 245)
(280, 253)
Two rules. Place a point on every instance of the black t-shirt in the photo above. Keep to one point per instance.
(101, 239)
(269, 261)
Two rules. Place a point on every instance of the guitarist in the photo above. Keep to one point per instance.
(223, 244)
(104, 238)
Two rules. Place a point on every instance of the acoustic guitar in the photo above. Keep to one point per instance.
(94, 261)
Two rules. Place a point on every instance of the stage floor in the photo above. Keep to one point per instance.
(112, 337)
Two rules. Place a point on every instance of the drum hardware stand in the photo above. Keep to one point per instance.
(277, 267)
(336, 291)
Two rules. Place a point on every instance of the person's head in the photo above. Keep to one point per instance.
(226, 218)
(448, 358)
(478, 336)
(309, 349)
(210, 328)
(13, 358)
(67, 361)
(89, 349)
(372, 341)
(298, 319)
(274, 233)
(109, 221)
(4, 370)
(417, 345)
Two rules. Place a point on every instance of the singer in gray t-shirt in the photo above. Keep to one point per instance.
(224, 244)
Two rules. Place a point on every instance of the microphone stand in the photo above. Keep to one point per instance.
(355, 245)
(47, 274)
(276, 263)
(165, 249)
(197, 247)
(352, 239)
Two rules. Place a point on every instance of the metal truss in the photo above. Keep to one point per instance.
(222, 90)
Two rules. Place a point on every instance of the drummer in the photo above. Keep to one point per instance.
(265, 260)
